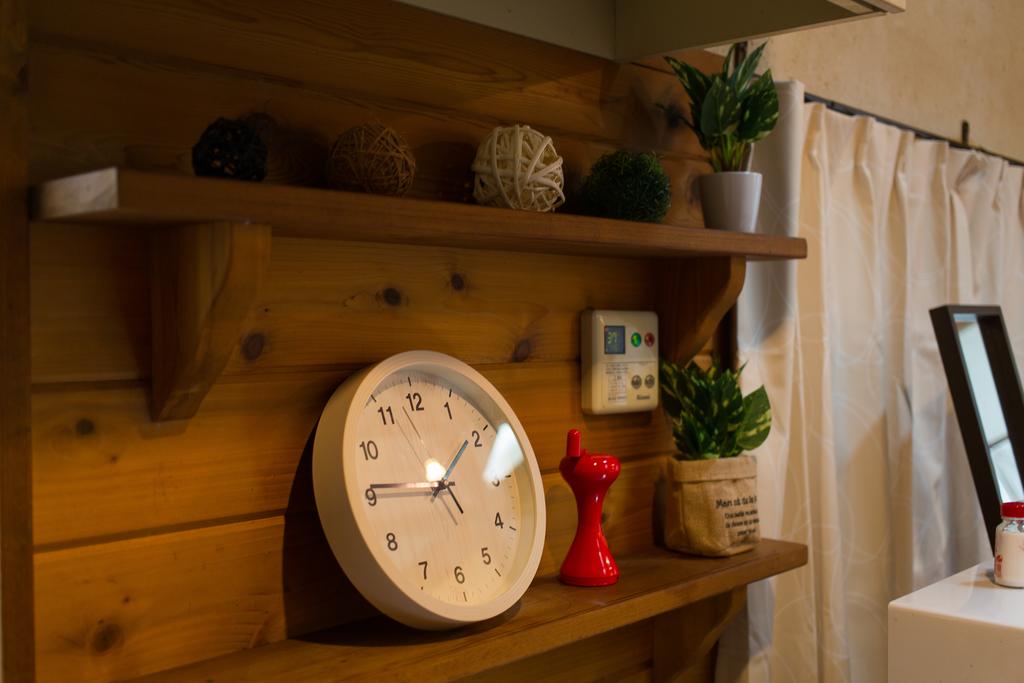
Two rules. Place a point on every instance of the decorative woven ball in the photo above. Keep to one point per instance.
(518, 168)
(371, 158)
(294, 156)
(230, 148)
(627, 185)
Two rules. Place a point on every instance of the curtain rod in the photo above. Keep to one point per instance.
(854, 111)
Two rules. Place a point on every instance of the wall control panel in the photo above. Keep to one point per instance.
(619, 358)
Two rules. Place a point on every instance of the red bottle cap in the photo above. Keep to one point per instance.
(1013, 510)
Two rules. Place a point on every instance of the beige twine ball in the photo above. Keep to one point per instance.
(517, 167)
(371, 158)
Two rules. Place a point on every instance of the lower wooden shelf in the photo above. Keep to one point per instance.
(549, 616)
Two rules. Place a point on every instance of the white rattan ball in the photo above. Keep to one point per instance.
(518, 168)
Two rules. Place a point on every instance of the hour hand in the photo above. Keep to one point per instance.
(451, 492)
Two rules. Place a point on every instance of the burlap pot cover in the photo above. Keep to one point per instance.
(710, 506)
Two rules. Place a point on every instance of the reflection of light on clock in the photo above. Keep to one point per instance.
(435, 470)
(506, 454)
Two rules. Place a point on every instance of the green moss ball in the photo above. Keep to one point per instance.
(627, 185)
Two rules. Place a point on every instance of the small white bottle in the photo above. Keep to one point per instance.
(1010, 546)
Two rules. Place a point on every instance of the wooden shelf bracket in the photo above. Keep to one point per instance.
(205, 277)
(686, 635)
(693, 295)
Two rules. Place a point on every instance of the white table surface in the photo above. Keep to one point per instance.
(964, 628)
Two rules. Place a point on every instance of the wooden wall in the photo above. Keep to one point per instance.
(15, 380)
(159, 544)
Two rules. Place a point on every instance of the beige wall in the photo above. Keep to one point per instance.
(939, 62)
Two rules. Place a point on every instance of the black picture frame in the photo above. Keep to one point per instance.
(1008, 387)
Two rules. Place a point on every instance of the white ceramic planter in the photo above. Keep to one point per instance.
(730, 200)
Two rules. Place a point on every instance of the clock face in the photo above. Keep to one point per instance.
(429, 492)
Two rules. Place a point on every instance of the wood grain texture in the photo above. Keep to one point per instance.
(609, 656)
(90, 287)
(160, 544)
(324, 303)
(683, 638)
(327, 300)
(205, 278)
(693, 295)
(132, 197)
(620, 656)
(247, 582)
(112, 611)
(16, 607)
(549, 616)
(374, 53)
(117, 609)
(102, 468)
(169, 113)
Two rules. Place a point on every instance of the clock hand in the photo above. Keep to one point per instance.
(444, 504)
(451, 466)
(408, 485)
(455, 461)
(451, 491)
(409, 441)
(414, 427)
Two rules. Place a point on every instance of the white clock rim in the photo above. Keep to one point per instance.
(364, 564)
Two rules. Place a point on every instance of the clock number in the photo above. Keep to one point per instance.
(370, 450)
(449, 409)
(392, 542)
(497, 520)
(486, 555)
(415, 401)
(386, 414)
(476, 439)
(371, 496)
(424, 565)
(459, 576)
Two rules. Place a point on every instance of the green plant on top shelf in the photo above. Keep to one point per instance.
(711, 418)
(729, 110)
(627, 185)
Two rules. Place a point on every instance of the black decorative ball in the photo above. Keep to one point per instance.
(230, 148)
(627, 185)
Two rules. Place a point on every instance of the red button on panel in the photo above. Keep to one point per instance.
(649, 339)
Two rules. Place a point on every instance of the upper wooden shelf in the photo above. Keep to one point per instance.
(121, 196)
(550, 615)
(211, 256)
(626, 30)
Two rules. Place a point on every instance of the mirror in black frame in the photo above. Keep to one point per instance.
(987, 396)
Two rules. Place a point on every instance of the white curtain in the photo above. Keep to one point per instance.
(864, 463)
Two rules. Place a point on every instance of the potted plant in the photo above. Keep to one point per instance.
(708, 502)
(729, 112)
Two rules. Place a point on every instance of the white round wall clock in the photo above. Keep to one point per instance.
(428, 491)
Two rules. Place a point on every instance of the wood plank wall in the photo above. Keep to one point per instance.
(159, 544)
(16, 575)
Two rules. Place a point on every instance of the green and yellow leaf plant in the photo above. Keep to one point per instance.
(710, 416)
(729, 110)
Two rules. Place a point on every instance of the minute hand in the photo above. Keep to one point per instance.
(451, 466)
(455, 461)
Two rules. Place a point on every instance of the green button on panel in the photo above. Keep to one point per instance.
(636, 340)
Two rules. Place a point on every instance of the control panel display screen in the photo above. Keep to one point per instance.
(615, 339)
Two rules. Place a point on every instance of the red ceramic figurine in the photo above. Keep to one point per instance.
(589, 561)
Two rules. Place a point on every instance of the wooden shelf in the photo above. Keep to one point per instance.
(549, 616)
(210, 255)
(629, 30)
(128, 197)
